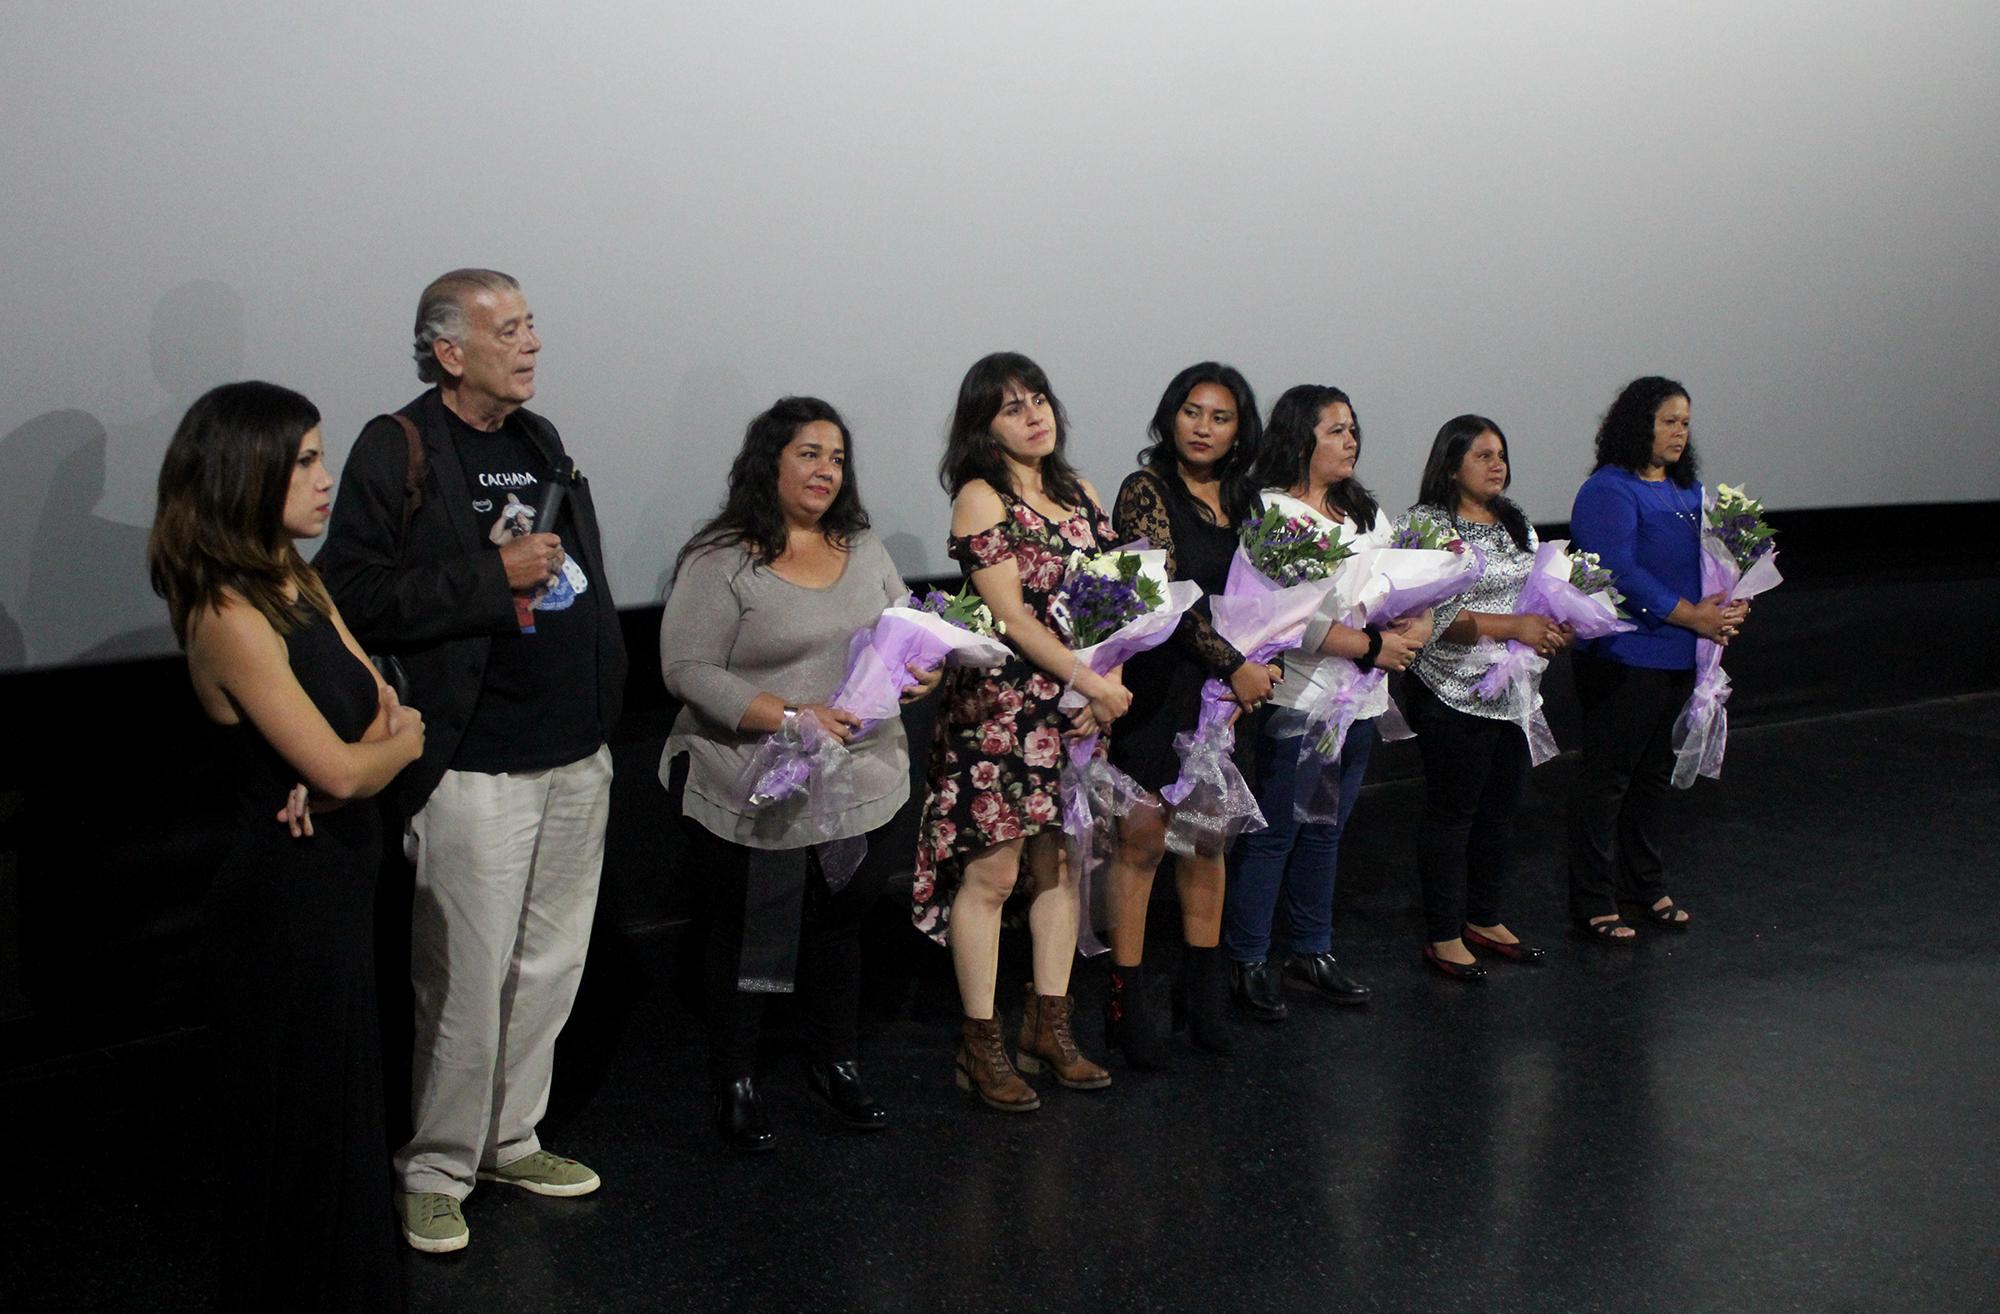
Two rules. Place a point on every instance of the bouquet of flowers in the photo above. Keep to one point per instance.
(1570, 588)
(937, 628)
(964, 609)
(1290, 549)
(1736, 520)
(1425, 534)
(1281, 575)
(1101, 593)
(1738, 560)
(1110, 606)
(1425, 563)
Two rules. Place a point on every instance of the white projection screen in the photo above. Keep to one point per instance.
(1511, 208)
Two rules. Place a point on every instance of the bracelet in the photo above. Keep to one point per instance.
(1075, 667)
(1366, 661)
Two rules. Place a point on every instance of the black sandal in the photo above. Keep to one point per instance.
(1606, 931)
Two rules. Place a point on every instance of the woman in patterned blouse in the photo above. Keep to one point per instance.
(992, 820)
(1475, 754)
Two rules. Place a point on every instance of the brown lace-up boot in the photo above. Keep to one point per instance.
(982, 1067)
(1046, 1040)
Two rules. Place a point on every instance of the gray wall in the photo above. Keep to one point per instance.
(1511, 208)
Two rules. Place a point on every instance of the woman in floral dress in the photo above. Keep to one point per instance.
(992, 821)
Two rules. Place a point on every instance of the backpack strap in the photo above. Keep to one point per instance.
(415, 468)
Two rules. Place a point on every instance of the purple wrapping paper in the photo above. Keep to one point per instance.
(1701, 733)
(878, 656)
(1549, 593)
(1405, 581)
(1212, 802)
(1095, 793)
(1387, 585)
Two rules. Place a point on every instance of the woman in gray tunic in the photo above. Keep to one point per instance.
(755, 634)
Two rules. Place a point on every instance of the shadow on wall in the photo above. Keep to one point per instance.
(704, 431)
(73, 584)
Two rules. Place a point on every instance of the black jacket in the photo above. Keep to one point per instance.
(436, 599)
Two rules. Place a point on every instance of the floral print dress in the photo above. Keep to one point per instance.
(996, 761)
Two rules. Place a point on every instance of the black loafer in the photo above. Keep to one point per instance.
(739, 1117)
(839, 1084)
(1257, 990)
(1320, 972)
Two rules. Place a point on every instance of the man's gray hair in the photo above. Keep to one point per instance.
(441, 312)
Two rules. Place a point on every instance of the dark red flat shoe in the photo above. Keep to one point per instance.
(1456, 971)
(1516, 952)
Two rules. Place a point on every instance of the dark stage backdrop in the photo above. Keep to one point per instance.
(1510, 209)
(114, 812)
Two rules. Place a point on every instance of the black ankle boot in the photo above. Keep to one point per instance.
(1201, 1000)
(739, 1116)
(1130, 1023)
(839, 1084)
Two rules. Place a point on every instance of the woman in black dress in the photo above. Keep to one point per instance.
(290, 919)
(1190, 496)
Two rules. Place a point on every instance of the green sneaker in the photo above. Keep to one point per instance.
(431, 1221)
(545, 1174)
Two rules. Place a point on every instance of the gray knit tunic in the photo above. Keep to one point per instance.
(732, 630)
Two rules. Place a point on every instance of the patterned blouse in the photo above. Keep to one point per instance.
(1450, 670)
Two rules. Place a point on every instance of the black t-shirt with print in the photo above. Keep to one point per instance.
(538, 706)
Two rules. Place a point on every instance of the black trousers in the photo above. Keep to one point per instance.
(1617, 805)
(1475, 769)
(828, 983)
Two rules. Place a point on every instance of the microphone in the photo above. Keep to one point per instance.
(552, 496)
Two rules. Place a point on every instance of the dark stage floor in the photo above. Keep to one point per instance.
(1791, 1108)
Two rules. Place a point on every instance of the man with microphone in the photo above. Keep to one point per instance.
(465, 545)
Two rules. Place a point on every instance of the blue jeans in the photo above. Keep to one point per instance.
(1301, 860)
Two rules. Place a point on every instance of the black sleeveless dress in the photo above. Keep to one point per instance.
(1166, 681)
(306, 1212)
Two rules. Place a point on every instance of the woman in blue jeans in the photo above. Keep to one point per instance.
(1311, 444)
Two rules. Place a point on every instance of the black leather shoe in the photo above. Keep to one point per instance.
(1257, 991)
(739, 1117)
(1320, 972)
(839, 1084)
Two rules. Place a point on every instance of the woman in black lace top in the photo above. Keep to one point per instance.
(1191, 493)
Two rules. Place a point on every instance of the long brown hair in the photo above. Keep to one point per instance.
(221, 518)
(969, 449)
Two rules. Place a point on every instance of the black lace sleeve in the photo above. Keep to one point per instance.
(1141, 512)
